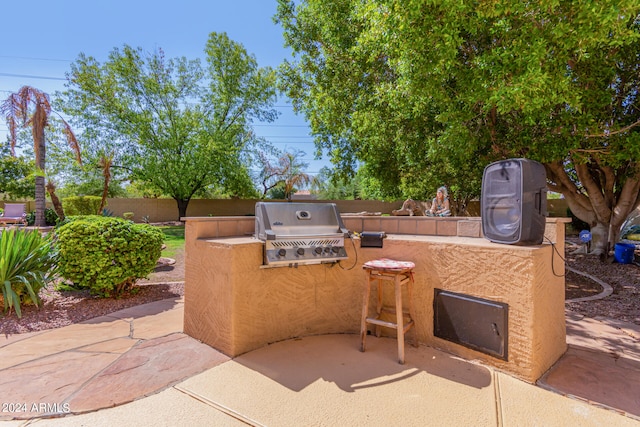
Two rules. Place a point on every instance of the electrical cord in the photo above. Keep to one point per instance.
(555, 249)
(354, 251)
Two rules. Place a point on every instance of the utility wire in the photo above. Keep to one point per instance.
(27, 76)
(35, 59)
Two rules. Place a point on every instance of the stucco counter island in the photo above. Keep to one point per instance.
(235, 305)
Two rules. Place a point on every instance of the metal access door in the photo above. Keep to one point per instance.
(476, 323)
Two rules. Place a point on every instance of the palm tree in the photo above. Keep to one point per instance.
(292, 173)
(105, 163)
(287, 174)
(30, 107)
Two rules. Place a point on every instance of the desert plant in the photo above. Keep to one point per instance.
(107, 254)
(27, 264)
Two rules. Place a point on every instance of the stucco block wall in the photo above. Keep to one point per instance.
(159, 210)
(235, 304)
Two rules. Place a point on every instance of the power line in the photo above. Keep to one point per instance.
(32, 77)
(35, 59)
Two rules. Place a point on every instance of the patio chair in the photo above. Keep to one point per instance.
(13, 213)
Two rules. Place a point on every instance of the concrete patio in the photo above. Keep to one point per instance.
(136, 368)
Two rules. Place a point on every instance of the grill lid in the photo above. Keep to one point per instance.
(276, 220)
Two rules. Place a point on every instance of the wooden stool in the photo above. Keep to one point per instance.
(400, 273)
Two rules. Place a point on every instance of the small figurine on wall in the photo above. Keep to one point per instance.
(409, 208)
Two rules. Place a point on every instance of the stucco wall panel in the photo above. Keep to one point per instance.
(247, 306)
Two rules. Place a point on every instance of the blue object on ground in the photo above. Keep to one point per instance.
(585, 236)
(623, 253)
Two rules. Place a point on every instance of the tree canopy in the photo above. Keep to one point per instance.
(170, 124)
(17, 180)
(430, 92)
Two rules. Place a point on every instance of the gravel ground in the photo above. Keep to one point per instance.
(624, 303)
(61, 308)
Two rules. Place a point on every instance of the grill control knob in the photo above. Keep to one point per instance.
(300, 251)
(318, 250)
(282, 252)
(335, 249)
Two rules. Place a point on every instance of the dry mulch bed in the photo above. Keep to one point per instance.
(623, 304)
(62, 308)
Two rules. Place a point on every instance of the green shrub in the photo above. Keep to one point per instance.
(107, 254)
(81, 205)
(50, 217)
(128, 215)
(27, 264)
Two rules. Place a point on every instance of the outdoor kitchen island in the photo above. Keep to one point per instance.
(236, 304)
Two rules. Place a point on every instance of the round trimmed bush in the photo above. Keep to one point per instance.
(107, 254)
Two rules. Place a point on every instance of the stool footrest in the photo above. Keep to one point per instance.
(390, 310)
(387, 324)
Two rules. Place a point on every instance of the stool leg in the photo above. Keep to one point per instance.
(412, 310)
(379, 286)
(365, 311)
(399, 319)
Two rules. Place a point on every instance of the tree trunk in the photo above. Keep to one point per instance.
(604, 205)
(599, 239)
(105, 193)
(39, 123)
(182, 207)
(57, 206)
(40, 202)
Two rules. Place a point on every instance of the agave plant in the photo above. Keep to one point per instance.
(27, 264)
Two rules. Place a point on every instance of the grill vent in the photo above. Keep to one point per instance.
(304, 243)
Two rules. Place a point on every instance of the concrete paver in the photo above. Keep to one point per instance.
(326, 381)
(602, 364)
(139, 365)
(148, 367)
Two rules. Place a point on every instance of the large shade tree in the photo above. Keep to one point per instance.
(435, 90)
(178, 128)
(31, 108)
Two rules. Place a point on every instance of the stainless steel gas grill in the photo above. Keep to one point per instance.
(300, 233)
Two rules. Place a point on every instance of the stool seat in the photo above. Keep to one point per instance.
(400, 273)
(385, 264)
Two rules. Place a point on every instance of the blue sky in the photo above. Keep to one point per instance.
(41, 38)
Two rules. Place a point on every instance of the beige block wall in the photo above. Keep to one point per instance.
(235, 304)
(160, 210)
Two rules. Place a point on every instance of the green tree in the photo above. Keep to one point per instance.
(16, 176)
(30, 107)
(431, 92)
(177, 128)
(329, 187)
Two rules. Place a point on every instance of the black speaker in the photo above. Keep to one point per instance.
(513, 202)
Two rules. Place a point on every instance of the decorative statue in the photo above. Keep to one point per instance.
(409, 208)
